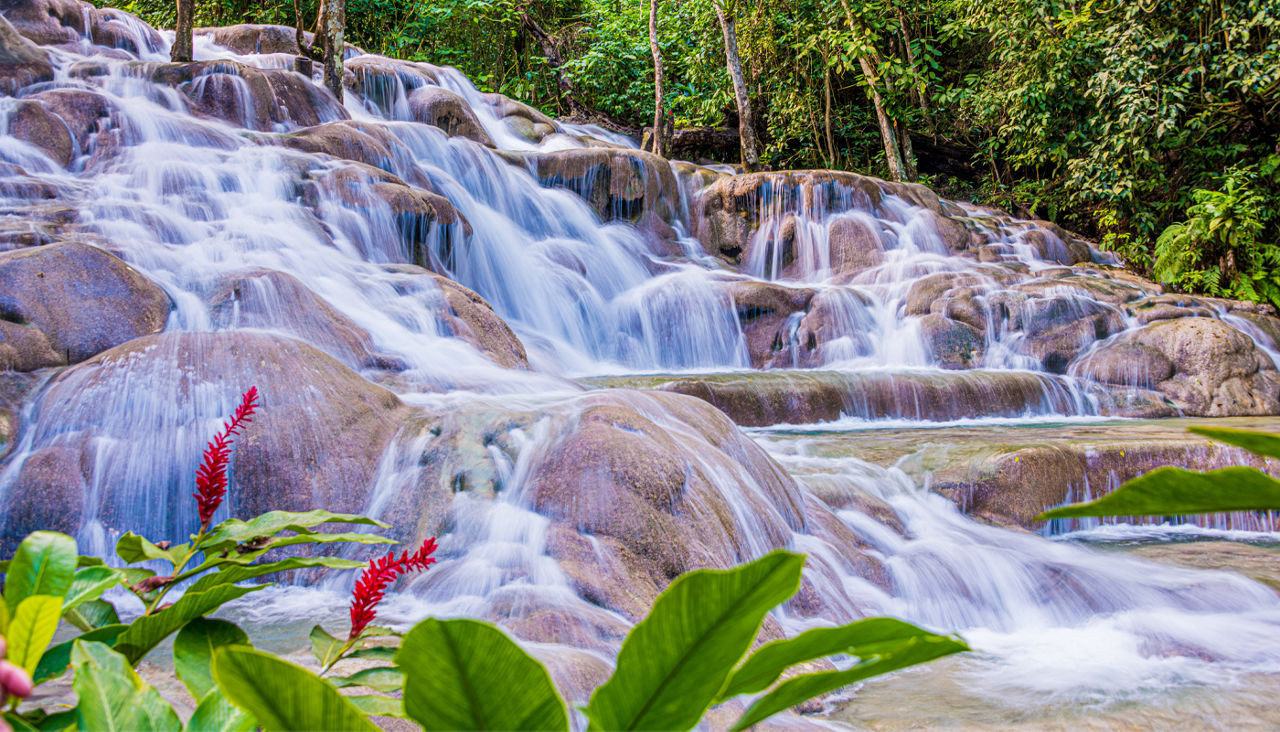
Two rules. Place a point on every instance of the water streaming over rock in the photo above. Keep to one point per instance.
(468, 318)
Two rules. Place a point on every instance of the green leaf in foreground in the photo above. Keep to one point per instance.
(1177, 492)
(282, 696)
(465, 674)
(892, 656)
(215, 714)
(382, 678)
(193, 651)
(864, 639)
(673, 663)
(1259, 443)
(113, 697)
(55, 661)
(88, 585)
(31, 630)
(92, 614)
(43, 565)
(149, 630)
(234, 531)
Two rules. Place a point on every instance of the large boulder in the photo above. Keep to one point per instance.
(360, 142)
(619, 184)
(22, 63)
(54, 22)
(32, 122)
(247, 38)
(471, 318)
(117, 438)
(446, 109)
(80, 299)
(82, 113)
(764, 311)
(268, 299)
(1216, 370)
(953, 345)
(728, 211)
(246, 96)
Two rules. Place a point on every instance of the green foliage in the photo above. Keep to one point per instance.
(44, 564)
(674, 662)
(283, 696)
(1172, 491)
(112, 696)
(193, 650)
(464, 674)
(1228, 244)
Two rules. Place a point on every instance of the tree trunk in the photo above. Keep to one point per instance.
(182, 42)
(746, 121)
(892, 153)
(305, 50)
(335, 17)
(831, 139)
(908, 154)
(657, 78)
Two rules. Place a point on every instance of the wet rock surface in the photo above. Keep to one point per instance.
(65, 302)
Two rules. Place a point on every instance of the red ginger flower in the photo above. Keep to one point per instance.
(211, 478)
(373, 582)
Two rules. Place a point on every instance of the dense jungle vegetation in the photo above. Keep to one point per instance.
(1152, 126)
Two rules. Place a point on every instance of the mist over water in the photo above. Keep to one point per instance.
(251, 232)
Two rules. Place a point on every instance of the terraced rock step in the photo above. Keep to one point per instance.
(1008, 474)
(760, 399)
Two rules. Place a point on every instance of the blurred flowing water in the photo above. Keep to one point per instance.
(192, 200)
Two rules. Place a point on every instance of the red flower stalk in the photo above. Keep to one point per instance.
(211, 478)
(372, 585)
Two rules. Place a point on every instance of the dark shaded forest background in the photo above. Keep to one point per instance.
(1150, 126)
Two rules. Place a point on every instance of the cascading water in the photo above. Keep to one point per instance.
(316, 248)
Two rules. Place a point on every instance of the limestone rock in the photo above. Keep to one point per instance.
(445, 109)
(80, 298)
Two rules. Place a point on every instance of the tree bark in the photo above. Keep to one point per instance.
(658, 136)
(746, 121)
(183, 44)
(831, 139)
(306, 50)
(335, 17)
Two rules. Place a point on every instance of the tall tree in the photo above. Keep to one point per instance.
(725, 10)
(658, 127)
(888, 134)
(183, 44)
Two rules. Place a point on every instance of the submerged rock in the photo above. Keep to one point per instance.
(65, 302)
(246, 96)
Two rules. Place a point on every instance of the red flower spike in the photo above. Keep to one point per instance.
(211, 477)
(381, 572)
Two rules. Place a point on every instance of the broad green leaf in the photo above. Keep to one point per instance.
(149, 630)
(31, 630)
(378, 706)
(215, 714)
(864, 639)
(89, 584)
(18, 724)
(1259, 443)
(386, 654)
(4, 618)
(43, 565)
(1172, 491)
(324, 646)
(235, 531)
(57, 659)
(282, 696)
(465, 674)
(112, 696)
(383, 679)
(193, 651)
(92, 614)
(133, 549)
(894, 656)
(57, 722)
(83, 561)
(231, 574)
(673, 663)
